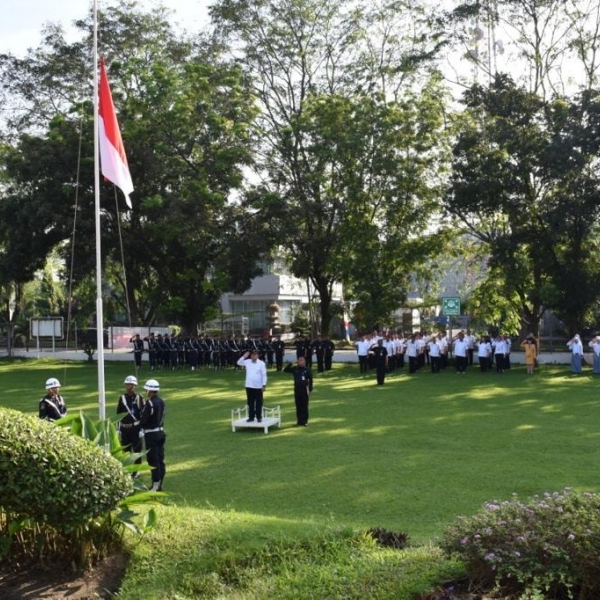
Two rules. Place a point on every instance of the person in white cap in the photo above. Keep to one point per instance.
(130, 406)
(152, 421)
(52, 406)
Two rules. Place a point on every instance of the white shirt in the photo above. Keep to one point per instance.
(256, 373)
(434, 349)
(461, 347)
(576, 347)
(484, 349)
(500, 347)
(362, 347)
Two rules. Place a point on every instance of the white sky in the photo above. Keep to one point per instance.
(22, 20)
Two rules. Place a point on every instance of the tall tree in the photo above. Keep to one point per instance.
(524, 182)
(185, 114)
(343, 161)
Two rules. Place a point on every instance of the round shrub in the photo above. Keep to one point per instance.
(53, 476)
(549, 545)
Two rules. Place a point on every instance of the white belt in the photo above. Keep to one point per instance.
(153, 430)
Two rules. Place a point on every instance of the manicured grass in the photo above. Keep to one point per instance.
(408, 456)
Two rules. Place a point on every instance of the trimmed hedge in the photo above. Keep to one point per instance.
(54, 477)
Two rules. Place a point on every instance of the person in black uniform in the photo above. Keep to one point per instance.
(318, 348)
(380, 356)
(328, 350)
(138, 349)
(52, 406)
(279, 347)
(152, 350)
(152, 422)
(303, 385)
(130, 405)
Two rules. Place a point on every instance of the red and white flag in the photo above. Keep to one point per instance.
(112, 153)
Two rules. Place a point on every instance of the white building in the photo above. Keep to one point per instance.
(276, 285)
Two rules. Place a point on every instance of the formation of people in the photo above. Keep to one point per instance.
(388, 353)
(141, 425)
(175, 352)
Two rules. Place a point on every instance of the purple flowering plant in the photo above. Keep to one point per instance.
(548, 545)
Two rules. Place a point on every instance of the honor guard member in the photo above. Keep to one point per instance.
(328, 350)
(52, 406)
(303, 386)
(279, 347)
(130, 405)
(318, 348)
(138, 349)
(152, 349)
(152, 422)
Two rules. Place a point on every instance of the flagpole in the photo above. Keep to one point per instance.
(99, 311)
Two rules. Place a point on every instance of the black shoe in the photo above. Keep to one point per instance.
(249, 420)
(259, 420)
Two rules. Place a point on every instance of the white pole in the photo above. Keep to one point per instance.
(99, 312)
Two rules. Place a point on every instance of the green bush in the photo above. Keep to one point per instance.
(547, 547)
(56, 478)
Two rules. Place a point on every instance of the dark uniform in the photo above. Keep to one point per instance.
(328, 350)
(303, 385)
(152, 422)
(129, 427)
(52, 408)
(279, 347)
(138, 349)
(379, 353)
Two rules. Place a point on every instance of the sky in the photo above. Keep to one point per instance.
(21, 24)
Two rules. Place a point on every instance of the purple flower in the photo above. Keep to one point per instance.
(490, 556)
(571, 537)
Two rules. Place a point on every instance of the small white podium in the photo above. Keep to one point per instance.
(271, 417)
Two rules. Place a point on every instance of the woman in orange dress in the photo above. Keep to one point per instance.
(529, 344)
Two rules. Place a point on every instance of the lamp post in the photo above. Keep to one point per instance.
(12, 305)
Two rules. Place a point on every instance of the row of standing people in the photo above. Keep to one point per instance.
(142, 422)
(175, 352)
(389, 353)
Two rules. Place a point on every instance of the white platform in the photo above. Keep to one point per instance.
(271, 417)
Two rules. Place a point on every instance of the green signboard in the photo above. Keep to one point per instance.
(451, 306)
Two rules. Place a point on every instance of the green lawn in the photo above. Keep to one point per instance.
(407, 456)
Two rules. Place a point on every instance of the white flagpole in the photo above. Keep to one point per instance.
(99, 311)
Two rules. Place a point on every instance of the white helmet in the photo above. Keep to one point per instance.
(151, 385)
(131, 379)
(52, 383)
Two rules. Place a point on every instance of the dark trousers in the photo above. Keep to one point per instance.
(279, 360)
(435, 364)
(155, 454)
(131, 440)
(328, 360)
(254, 397)
(301, 399)
(412, 364)
(461, 364)
(470, 351)
(500, 363)
(137, 357)
(362, 363)
(484, 363)
(320, 362)
(380, 373)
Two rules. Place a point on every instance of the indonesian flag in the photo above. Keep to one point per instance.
(347, 325)
(112, 152)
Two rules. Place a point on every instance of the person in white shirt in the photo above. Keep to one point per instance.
(256, 383)
(484, 352)
(499, 353)
(362, 349)
(470, 346)
(576, 348)
(461, 348)
(434, 354)
(412, 350)
(594, 344)
(443, 343)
